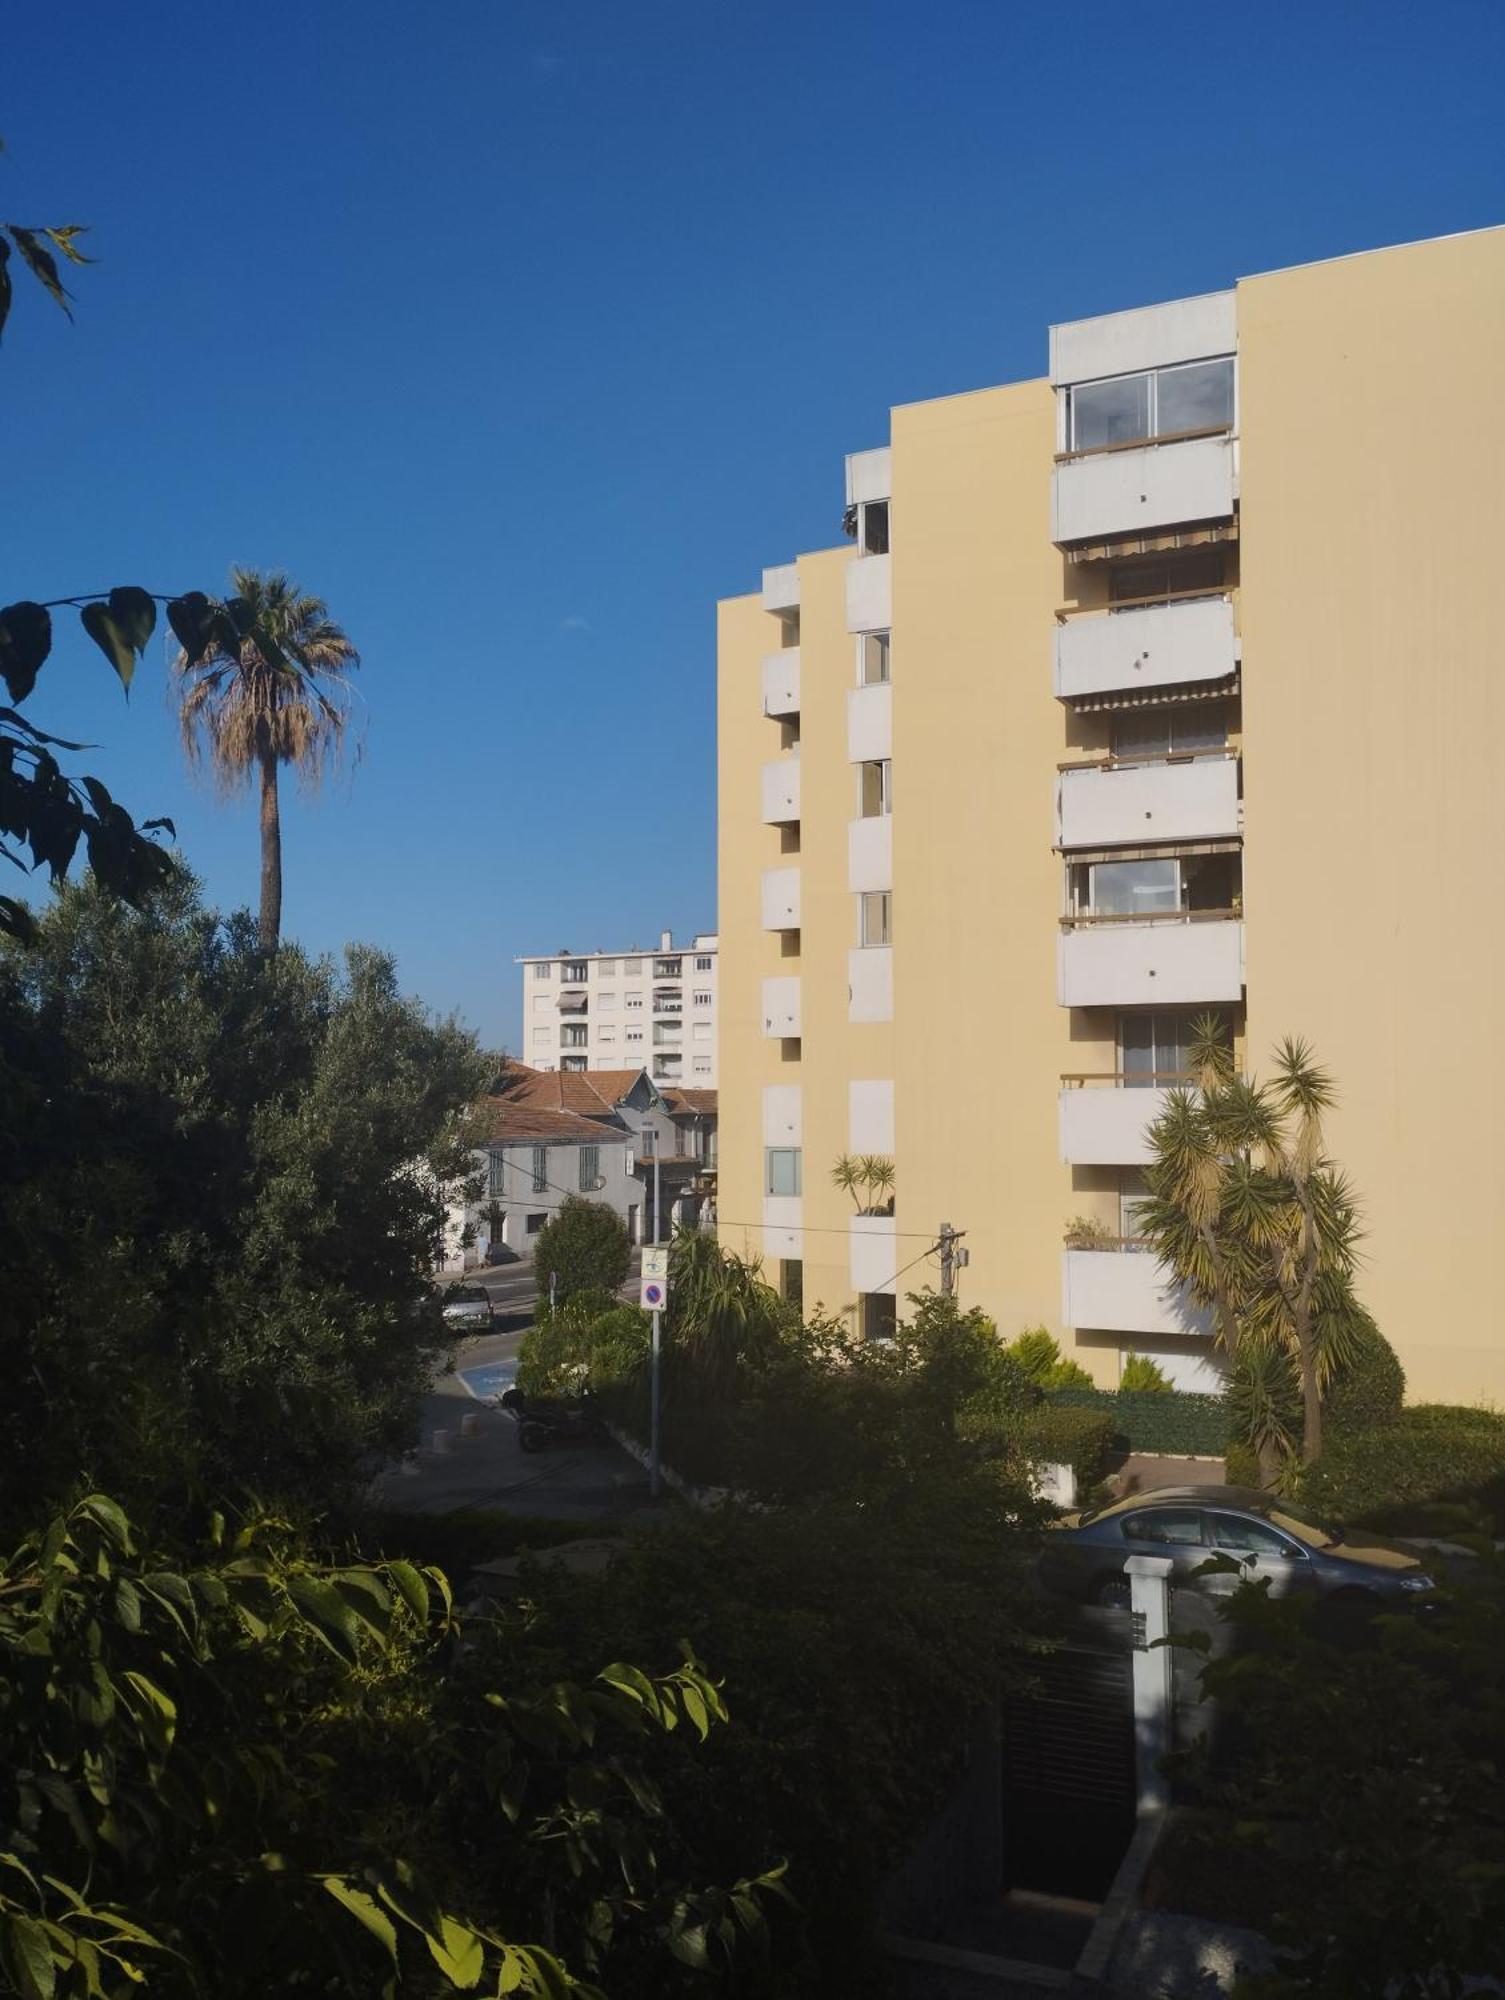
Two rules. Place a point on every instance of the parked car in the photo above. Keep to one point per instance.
(1084, 1554)
(468, 1307)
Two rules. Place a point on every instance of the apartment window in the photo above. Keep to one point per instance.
(633, 1035)
(1132, 1196)
(606, 1003)
(535, 1223)
(575, 1065)
(872, 659)
(667, 1065)
(876, 792)
(1170, 732)
(1155, 1048)
(878, 1314)
(667, 1034)
(1155, 888)
(574, 1037)
(702, 1065)
(632, 968)
(1193, 396)
(648, 1139)
(543, 972)
(496, 1185)
(789, 629)
(607, 1036)
(781, 1170)
(702, 997)
(666, 968)
(590, 1168)
(701, 1032)
(877, 917)
(872, 527)
(606, 968)
(704, 962)
(542, 1004)
(1192, 569)
(634, 1003)
(542, 1037)
(792, 1280)
(540, 1169)
(574, 972)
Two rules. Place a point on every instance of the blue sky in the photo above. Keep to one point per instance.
(522, 333)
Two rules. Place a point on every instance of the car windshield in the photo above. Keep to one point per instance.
(465, 1295)
(1316, 1534)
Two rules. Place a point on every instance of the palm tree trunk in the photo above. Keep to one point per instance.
(270, 925)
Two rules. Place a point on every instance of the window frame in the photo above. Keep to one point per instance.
(540, 1170)
(590, 1157)
(885, 898)
(1152, 378)
(794, 1153)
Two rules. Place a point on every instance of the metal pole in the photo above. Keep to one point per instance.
(553, 1286)
(656, 1373)
(948, 1268)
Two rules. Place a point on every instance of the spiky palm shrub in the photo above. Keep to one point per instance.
(721, 1316)
(247, 718)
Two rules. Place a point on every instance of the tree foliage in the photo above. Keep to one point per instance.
(585, 1247)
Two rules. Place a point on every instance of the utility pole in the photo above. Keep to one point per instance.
(553, 1290)
(655, 1475)
(948, 1261)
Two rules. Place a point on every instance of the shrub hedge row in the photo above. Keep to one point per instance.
(1172, 1421)
(1432, 1452)
(1055, 1433)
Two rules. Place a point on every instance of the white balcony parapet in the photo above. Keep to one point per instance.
(1145, 646)
(870, 983)
(783, 1225)
(1125, 491)
(1187, 798)
(1176, 962)
(872, 1244)
(870, 853)
(781, 1006)
(783, 1123)
(870, 1115)
(870, 475)
(781, 899)
(781, 587)
(870, 594)
(781, 682)
(1126, 1291)
(781, 791)
(870, 724)
(1121, 343)
(1107, 1125)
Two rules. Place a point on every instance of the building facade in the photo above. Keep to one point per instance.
(1167, 684)
(609, 1010)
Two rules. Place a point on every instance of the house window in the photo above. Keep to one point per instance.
(607, 1037)
(877, 917)
(702, 997)
(1132, 1196)
(702, 1065)
(872, 527)
(576, 1065)
(782, 1171)
(878, 1315)
(606, 968)
(701, 1032)
(535, 1223)
(666, 968)
(633, 1035)
(495, 1167)
(542, 1037)
(574, 972)
(1155, 887)
(634, 1003)
(633, 968)
(540, 1169)
(1155, 1048)
(590, 1167)
(648, 1142)
(792, 1280)
(1125, 409)
(542, 1004)
(875, 792)
(574, 1037)
(1192, 569)
(704, 963)
(1170, 732)
(543, 972)
(872, 659)
(606, 1003)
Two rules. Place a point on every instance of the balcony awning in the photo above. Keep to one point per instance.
(1169, 850)
(1108, 548)
(1154, 697)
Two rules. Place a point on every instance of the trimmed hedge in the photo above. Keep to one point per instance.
(1435, 1452)
(1084, 1439)
(1370, 1390)
(1175, 1422)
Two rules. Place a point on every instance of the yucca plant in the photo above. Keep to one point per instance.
(247, 717)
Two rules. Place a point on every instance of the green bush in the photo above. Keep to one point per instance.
(1382, 1477)
(1176, 1422)
(1039, 1354)
(1241, 1465)
(1369, 1390)
(582, 1346)
(1142, 1376)
(1057, 1434)
(586, 1247)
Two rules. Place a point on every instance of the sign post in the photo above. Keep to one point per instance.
(653, 1296)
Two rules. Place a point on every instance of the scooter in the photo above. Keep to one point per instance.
(545, 1421)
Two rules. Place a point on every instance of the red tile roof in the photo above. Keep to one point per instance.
(703, 1101)
(512, 1123)
(589, 1093)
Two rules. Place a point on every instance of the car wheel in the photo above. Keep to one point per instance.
(1112, 1592)
(532, 1437)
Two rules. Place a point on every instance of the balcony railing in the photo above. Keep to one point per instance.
(1142, 443)
(1084, 918)
(1186, 795)
(1132, 486)
(1166, 958)
(1176, 638)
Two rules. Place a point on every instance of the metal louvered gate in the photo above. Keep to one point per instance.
(1068, 1773)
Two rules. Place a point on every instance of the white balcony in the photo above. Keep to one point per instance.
(781, 1007)
(783, 1220)
(781, 682)
(1107, 1125)
(870, 1116)
(1130, 491)
(870, 853)
(781, 899)
(1146, 646)
(870, 724)
(872, 1244)
(1192, 798)
(1125, 1291)
(783, 1123)
(870, 475)
(1177, 962)
(781, 587)
(870, 983)
(870, 594)
(781, 791)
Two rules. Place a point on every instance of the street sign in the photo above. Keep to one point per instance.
(653, 1295)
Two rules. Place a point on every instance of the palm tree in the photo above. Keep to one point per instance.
(248, 715)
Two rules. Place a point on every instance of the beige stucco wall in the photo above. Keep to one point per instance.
(1373, 503)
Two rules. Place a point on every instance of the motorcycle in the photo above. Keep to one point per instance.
(546, 1421)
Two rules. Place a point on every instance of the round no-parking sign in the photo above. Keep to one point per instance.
(653, 1294)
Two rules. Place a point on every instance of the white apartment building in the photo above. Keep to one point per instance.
(636, 1009)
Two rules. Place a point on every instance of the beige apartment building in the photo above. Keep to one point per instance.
(1171, 682)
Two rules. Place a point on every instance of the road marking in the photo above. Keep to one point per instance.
(488, 1381)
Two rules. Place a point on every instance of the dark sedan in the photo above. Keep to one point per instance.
(1084, 1554)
